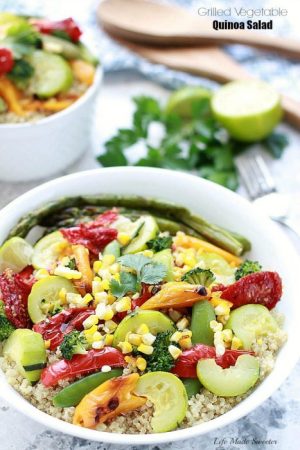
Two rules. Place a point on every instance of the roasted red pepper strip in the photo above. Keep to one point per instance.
(264, 288)
(14, 291)
(54, 329)
(92, 361)
(67, 25)
(185, 366)
(94, 235)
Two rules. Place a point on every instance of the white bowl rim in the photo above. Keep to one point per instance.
(239, 411)
(56, 116)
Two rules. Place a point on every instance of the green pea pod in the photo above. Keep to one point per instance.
(192, 386)
(202, 314)
(74, 393)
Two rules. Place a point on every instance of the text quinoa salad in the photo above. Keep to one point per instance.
(44, 67)
(133, 315)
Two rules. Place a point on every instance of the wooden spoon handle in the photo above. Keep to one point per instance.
(210, 62)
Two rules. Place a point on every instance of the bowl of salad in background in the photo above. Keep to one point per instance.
(48, 84)
(201, 197)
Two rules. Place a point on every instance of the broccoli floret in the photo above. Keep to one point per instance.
(246, 268)
(205, 277)
(74, 343)
(6, 328)
(160, 243)
(161, 359)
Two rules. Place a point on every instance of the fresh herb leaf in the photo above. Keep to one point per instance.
(147, 111)
(135, 262)
(147, 271)
(153, 273)
(128, 283)
(160, 243)
(276, 143)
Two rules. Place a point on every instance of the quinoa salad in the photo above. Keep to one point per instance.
(44, 67)
(133, 315)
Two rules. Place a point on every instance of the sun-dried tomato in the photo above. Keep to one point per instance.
(14, 291)
(54, 329)
(264, 288)
(94, 235)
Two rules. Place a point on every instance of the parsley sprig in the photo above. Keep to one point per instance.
(143, 270)
(199, 144)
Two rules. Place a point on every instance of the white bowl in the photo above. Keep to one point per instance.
(35, 150)
(270, 247)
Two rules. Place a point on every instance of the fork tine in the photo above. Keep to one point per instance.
(255, 175)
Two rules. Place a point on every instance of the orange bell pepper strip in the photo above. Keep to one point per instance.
(52, 105)
(183, 240)
(83, 71)
(82, 259)
(110, 399)
(177, 295)
(11, 96)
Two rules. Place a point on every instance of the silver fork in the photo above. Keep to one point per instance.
(261, 188)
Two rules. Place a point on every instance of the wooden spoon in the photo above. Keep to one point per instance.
(210, 62)
(152, 23)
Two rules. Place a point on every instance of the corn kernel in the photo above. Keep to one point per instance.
(62, 295)
(67, 273)
(114, 268)
(236, 343)
(123, 304)
(148, 253)
(190, 261)
(222, 310)
(109, 314)
(174, 351)
(141, 364)
(101, 298)
(134, 339)
(259, 341)
(215, 326)
(176, 336)
(216, 301)
(108, 339)
(47, 343)
(97, 266)
(130, 360)
(110, 299)
(182, 324)
(110, 325)
(135, 296)
(123, 238)
(105, 368)
(97, 336)
(143, 329)
(185, 343)
(41, 273)
(87, 299)
(148, 338)
(90, 321)
(175, 315)
(125, 347)
(96, 286)
(108, 260)
(97, 345)
(146, 349)
(186, 333)
(105, 274)
(90, 331)
(220, 349)
(105, 285)
(227, 335)
(73, 298)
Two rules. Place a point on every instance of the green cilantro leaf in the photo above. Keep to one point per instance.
(128, 283)
(160, 243)
(135, 262)
(276, 143)
(153, 273)
(147, 111)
